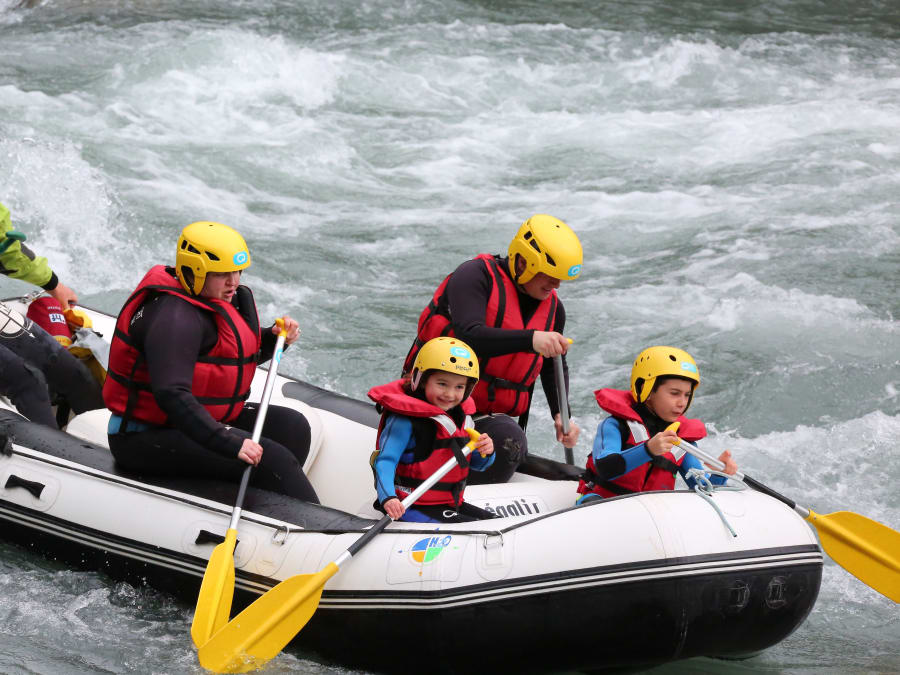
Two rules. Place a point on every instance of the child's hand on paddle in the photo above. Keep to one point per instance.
(662, 442)
(731, 466)
(394, 508)
(484, 446)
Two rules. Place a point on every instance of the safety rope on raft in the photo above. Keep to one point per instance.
(704, 487)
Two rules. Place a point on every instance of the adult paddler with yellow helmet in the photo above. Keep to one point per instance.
(634, 451)
(507, 309)
(185, 348)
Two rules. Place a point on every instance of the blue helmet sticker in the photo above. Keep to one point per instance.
(240, 258)
(460, 352)
(688, 366)
(574, 270)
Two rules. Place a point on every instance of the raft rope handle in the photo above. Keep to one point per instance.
(282, 532)
(704, 487)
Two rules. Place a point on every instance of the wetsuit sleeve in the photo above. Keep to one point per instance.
(175, 333)
(691, 462)
(267, 344)
(610, 459)
(548, 371)
(468, 292)
(480, 463)
(395, 439)
(19, 262)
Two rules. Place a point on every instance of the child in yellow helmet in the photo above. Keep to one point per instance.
(422, 426)
(634, 451)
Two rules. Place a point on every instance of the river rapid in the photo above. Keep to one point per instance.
(732, 170)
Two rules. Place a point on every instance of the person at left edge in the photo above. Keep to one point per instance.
(182, 358)
(33, 366)
(423, 424)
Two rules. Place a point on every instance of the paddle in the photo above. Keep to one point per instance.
(867, 549)
(217, 588)
(263, 629)
(563, 397)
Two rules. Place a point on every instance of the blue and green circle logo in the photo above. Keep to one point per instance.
(240, 258)
(574, 270)
(428, 549)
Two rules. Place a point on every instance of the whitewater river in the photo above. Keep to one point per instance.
(732, 169)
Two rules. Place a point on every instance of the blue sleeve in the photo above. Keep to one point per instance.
(480, 463)
(608, 443)
(691, 462)
(396, 438)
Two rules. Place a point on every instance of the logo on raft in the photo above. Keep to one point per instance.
(518, 507)
(428, 549)
(239, 258)
(574, 270)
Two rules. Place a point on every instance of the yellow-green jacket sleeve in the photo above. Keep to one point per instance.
(20, 262)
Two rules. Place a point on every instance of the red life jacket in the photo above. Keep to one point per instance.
(506, 379)
(47, 313)
(659, 473)
(221, 378)
(438, 438)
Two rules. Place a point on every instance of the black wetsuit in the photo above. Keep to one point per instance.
(36, 372)
(466, 297)
(171, 333)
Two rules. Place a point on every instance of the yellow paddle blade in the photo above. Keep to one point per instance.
(216, 591)
(867, 549)
(263, 629)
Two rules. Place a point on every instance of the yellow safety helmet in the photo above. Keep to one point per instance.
(205, 247)
(449, 354)
(656, 362)
(547, 245)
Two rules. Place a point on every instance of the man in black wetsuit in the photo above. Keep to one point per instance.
(508, 311)
(185, 349)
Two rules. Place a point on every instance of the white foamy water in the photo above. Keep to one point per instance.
(732, 175)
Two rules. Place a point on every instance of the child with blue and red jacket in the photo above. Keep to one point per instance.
(634, 451)
(423, 424)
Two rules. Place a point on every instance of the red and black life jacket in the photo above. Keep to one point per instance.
(222, 377)
(438, 438)
(506, 380)
(659, 473)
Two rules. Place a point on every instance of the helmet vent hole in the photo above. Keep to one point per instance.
(191, 249)
(534, 245)
(550, 260)
(527, 236)
(672, 357)
(452, 359)
(212, 256)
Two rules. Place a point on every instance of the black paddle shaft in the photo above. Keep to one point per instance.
(369, 535)
(759, 487)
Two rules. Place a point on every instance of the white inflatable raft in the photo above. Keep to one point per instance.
(627, 582)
